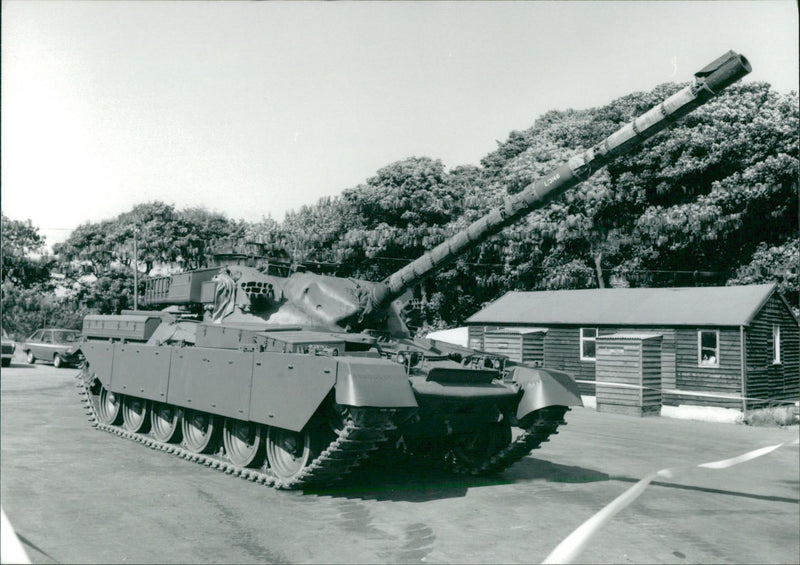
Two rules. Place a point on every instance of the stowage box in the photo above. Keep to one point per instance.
(128, 327)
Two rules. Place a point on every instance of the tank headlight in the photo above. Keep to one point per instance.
(496, 364)
(401, 358)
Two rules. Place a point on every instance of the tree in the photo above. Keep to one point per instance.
(27, 309)
(691, 200)
(780, 264)
(411, 192)
(20, 240)
(109, 294)
(736, 176)
(164, 236)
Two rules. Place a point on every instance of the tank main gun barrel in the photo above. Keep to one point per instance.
(708, 82)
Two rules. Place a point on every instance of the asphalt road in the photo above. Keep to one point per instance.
(76, 495)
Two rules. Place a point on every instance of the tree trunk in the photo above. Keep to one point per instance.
(598, 258)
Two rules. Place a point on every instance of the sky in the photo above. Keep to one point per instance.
(253, 109)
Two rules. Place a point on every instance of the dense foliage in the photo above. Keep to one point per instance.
(163, 235)
(26, 293)
(712, 201)
(94, 267)
(20, 240)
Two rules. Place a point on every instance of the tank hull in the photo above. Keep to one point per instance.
(331, 398)
(286, 389)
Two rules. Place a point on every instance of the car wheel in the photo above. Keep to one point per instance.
(57, 362)
(31, 358)
(6, 361)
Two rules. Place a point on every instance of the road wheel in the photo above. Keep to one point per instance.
(31, 357)
(199, 431)
(108, 407)
(134, 415)
(57, 362)
(289, 453)
(243, 442)
(165, 421)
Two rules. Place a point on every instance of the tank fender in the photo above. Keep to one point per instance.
(287, 388)
(545, 387)
(99, 356)
(377, 383)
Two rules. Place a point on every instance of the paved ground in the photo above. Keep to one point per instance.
(76, 495)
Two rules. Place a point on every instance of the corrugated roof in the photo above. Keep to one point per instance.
(701, 306)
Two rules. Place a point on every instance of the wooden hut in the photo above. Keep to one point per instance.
(732, 346)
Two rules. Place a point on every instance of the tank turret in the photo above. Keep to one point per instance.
(277, 376)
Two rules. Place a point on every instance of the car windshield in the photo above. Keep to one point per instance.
(65, 337)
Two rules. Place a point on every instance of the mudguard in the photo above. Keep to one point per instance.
(288, 388)
(99, 355)
(371, 382)
(545, 387)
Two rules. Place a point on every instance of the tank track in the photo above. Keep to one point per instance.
(545, 424)
(356, 439)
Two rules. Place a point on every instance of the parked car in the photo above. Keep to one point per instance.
(61, 347)
(8, 349)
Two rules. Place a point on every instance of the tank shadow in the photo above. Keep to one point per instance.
(531, 469)
(409, 480)
(404, 480)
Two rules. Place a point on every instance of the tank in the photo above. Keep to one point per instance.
(293, 378)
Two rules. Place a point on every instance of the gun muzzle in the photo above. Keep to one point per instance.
(723, 72)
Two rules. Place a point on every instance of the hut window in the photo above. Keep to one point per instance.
(776, 345)
(708, 348)
(588, 343)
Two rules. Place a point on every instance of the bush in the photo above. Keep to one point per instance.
(27, 309)
(772, 416)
